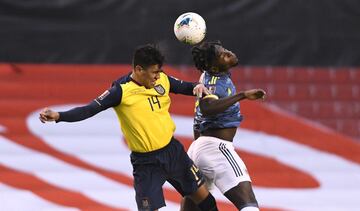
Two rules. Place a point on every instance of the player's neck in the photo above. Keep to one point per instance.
(219, 73)
(135, 79)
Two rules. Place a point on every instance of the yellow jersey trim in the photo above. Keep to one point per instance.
(211, 96)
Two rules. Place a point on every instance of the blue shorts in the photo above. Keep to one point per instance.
(152, 169)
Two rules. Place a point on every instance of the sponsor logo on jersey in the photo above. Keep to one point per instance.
(160, 89)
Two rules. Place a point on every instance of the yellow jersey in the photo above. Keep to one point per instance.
(144, 115)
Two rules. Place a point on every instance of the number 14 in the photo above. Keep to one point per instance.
(152, 101)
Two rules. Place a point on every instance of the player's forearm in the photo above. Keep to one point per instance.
(79, 113)
(181, 87)
(186, 88)
(212, 106)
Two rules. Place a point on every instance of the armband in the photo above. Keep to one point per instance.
(211, 96)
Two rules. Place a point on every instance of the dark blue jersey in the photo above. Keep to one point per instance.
(222, 86)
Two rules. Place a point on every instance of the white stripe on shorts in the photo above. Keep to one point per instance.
(235, 166)
(219, 162)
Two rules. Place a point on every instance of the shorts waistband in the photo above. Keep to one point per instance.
(214, 139)
(172, 141)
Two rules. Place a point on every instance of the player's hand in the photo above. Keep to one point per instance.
(200, 89)
(254, 94)
(48, 115)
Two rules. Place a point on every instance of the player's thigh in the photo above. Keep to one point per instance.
(205, 159)
(230, 170)
(184, 175)
(187, 178)
(242, 195)
(148, 182)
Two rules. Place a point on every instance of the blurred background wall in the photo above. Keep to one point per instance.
(273, 32)
(306, 54)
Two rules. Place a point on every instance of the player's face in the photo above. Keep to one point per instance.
(225, 58)
(150, 75)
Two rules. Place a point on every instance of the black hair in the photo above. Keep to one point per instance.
(147, 55)
(204, 55)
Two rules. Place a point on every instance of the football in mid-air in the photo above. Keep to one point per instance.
(190, 28)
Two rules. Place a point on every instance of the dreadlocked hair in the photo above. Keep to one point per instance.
(204, 55)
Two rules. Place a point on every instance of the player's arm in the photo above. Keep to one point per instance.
(110, 98)
(187, 88)
(211, 104)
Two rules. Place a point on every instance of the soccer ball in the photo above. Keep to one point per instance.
(190, 28)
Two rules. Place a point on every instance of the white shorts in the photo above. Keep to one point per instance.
(219, 163)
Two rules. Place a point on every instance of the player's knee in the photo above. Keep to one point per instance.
(208, 204)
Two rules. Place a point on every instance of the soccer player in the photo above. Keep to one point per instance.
(141, 101)
(216, 120)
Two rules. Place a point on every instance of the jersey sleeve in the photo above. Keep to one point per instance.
(181, 87)
(110, 98)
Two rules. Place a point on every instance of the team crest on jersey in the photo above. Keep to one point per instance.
(212, 89)
(160, 89)
(103, 95)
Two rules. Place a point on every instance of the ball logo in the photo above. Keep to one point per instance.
(185, 21)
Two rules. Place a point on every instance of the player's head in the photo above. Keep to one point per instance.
(213, 57)
(147, 63)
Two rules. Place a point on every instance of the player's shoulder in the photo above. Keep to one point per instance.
(123, 82)
(164, 76)
(123, 79)
(164, 79)
(119, 85)
(216, 79)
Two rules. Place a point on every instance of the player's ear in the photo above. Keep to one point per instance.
(138, 68)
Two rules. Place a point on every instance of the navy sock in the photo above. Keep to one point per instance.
(208, 204)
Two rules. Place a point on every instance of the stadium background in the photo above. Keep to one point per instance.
(301, 145)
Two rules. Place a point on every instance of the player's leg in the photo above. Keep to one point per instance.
(233, 179)
(188, 205)
(188, 180)
(243, 197)
(204, 199)
(200, 200)
(149, 178)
